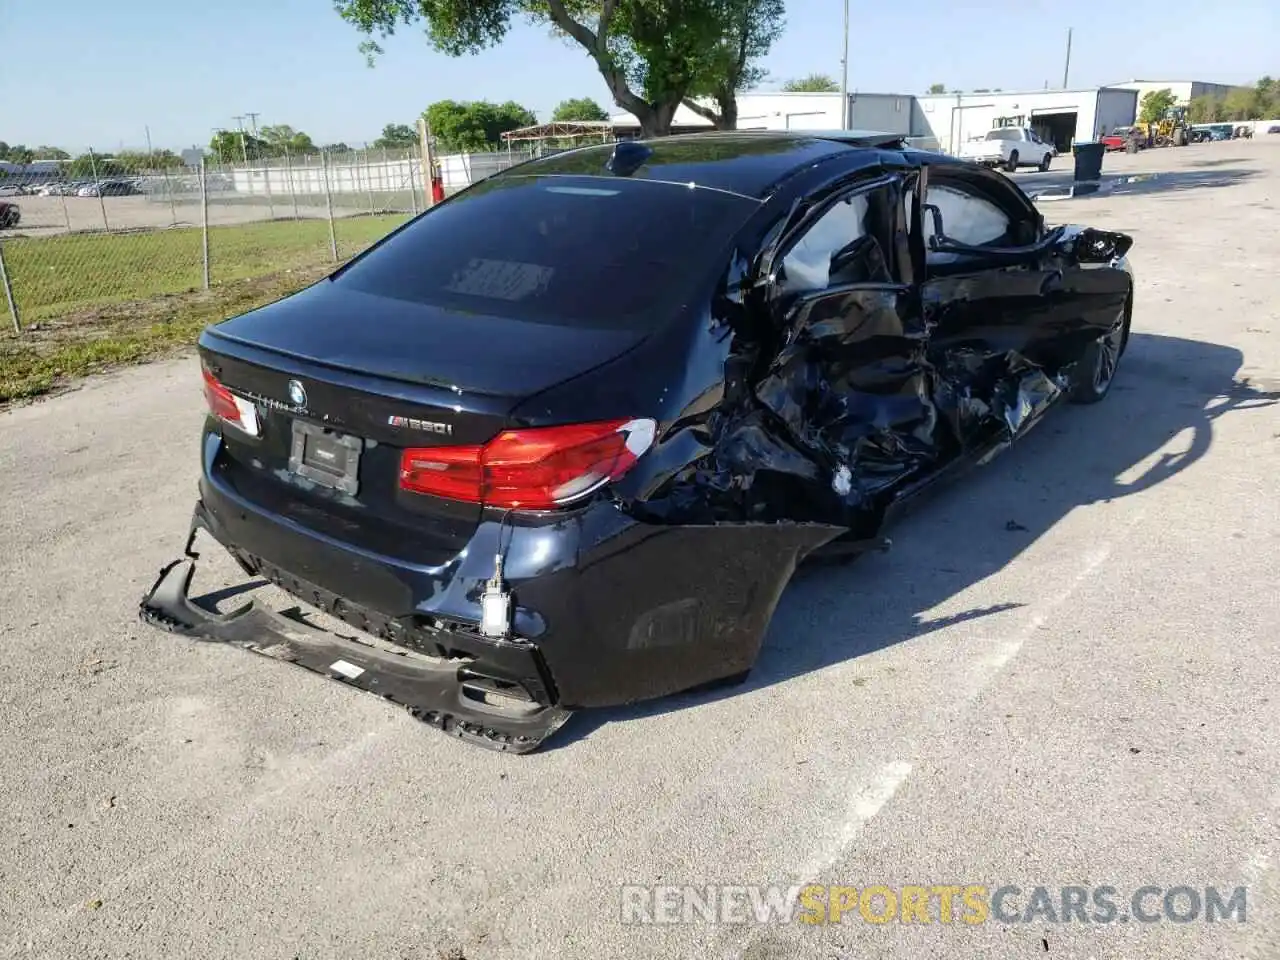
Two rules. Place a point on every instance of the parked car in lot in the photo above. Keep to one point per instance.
(10, 215)
(11, 190)
(108, 188)
(1275, 128)
(541, 465)
(1205, 132)
(1009, 148)
(1118, 139)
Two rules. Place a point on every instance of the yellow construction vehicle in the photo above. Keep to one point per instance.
(1171, 130)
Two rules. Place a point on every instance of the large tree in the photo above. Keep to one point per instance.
(17, 153)
(236, 146)
(579, 108)
(397, 136)
(141, 161)
(813, 83)
(474, 125)
(1205, 109)
(1154, 105)
(748, 30)
(282, 139)
(650, 53)
(1250, 103)
(93, 165)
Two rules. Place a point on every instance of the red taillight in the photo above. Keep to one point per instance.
(536, 469)
(229, 408)
(221, 403)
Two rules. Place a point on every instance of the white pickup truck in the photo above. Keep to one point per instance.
(1010, 148)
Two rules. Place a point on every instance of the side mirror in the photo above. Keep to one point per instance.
(1100, 246)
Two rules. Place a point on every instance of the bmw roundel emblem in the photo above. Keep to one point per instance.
(297, 394)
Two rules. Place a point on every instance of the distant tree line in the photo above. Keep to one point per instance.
(1258, 102)
(477, 125)
(20, 153)
(92, 163)
(457, 126)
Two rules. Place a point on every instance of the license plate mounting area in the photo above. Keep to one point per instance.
(325, 457)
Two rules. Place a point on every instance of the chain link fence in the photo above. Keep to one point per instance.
(70, 246)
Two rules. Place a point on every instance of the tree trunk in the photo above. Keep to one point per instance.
(654, 118)
(728, 104)
(725, 119)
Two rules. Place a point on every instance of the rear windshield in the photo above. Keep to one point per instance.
(1004, 133)
(572, 251)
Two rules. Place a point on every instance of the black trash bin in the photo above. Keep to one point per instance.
(1088, 161)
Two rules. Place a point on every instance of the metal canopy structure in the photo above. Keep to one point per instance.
(601, 130)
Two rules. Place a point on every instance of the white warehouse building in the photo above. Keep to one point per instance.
(1184, 91)
(945, 121)
(1061, 117)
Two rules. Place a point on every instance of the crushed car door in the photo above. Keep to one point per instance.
(1005, 301)
(849, 382)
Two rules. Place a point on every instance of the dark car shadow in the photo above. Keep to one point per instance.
(975, 527)
(1138, 183)
(1220, 162)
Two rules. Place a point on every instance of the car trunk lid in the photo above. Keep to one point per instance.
(415, 344)
(338, 397)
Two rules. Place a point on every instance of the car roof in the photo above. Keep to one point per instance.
(746, 162)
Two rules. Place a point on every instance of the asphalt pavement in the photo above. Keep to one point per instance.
(1064, 674)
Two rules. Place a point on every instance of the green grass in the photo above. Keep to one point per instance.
(58, 276)
(89, 302)
(56, 353)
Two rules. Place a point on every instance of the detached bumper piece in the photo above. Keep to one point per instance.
(441, 693)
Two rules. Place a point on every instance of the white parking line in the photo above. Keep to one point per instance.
(987, 668)
(866, 802)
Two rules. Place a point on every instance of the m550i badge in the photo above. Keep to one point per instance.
(427, 426)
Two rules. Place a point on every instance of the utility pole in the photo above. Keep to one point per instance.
(244, 147)
(253, 120)
(844, 72)
(1066, 69)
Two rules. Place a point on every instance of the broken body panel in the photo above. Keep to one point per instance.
(845, 355)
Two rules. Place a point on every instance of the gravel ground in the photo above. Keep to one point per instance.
(1064, 673)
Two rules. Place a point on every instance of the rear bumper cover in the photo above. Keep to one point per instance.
(607, 610)
(436, 693)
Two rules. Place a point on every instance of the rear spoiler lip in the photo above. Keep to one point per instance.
(252, 351)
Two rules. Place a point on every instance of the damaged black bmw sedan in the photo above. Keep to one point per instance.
(561, 441)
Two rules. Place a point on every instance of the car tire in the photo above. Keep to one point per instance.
(1044, 164)
(1094, 373)
(1013, 162)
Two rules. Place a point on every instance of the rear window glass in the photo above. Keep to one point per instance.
(1004, 133)
(572, 251)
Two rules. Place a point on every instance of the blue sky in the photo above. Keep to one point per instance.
(79, 73)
